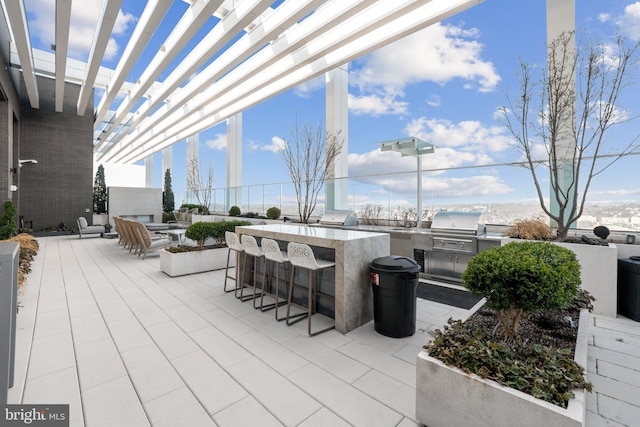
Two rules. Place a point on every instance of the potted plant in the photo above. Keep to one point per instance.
(469, 375)
(209, 252)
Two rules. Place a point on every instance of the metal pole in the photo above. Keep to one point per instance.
(419, 223)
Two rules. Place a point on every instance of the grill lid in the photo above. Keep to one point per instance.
(456, 221)
(339, 217)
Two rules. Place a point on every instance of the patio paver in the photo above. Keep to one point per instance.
(124, 344)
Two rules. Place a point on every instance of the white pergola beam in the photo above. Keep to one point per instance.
(194, 18)
(221, 34)
(106, 21)
(246, 79)
(264, 32)
(149, 21)
(296, 68)
(20, 31)
(63, 20)
(323, 20)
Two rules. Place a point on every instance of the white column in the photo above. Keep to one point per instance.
(234, 161)
(337, 90)
(561, 19)
(193, 151)
(148, 171)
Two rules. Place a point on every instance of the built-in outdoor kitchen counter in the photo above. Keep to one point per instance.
(352, 251)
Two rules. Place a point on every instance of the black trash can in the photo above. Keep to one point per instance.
(394, 280)
(629, 288)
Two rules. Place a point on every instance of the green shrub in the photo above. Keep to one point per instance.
(168, 216)
(8, 220)
(523, 277)
(201, 231)
(234, 211)
(193, 206)
(273, 213)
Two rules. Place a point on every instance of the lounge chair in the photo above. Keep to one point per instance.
(84, 228)
(146, 243)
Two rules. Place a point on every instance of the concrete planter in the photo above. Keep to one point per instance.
(448, 397)
(182, 263)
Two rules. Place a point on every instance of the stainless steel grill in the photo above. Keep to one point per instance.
(446, 251)
(339, 218)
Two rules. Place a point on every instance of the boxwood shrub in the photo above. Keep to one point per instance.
(273, 213)
(234, 211)
(201, 231)
(523, 277)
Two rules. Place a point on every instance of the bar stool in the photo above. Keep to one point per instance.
(233, 242)
(251, 249)
(301, 256)
(273, 254)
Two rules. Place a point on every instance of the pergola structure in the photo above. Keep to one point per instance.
(260, 48)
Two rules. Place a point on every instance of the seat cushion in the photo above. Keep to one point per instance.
(82, 222)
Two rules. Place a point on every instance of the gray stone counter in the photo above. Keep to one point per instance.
(354, 251)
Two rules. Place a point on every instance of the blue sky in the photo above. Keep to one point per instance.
(443, 84)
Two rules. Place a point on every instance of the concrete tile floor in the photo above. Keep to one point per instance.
(124, 344)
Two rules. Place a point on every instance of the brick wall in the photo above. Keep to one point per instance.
(59, 188)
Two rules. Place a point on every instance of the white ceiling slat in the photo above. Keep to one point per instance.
(63, 20)
(222, 33)
(276, 60)
(149, 21)
(376, 37)
(194, 18)
(20, 31)
(325, 19)
(288, 14)
(106, 21)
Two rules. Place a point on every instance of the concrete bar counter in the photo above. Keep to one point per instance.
(354, 251)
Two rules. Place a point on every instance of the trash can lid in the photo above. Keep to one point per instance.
(395, 263)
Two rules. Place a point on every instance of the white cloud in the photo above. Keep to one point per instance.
(468, 136)
(304, 90)
(376, 105)
(629, 21)
(84, 15)
(438, 53)
(276, 146)
(438, 186)
(218, 143)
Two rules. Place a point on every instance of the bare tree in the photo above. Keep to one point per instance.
(200, 184)
(309, 157)
(371, 213)
(567, 108)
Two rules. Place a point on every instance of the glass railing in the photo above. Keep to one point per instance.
(504, 193)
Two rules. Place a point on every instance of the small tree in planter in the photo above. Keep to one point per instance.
(168, 198)
(100, 192)
(523, 277)
(273, 213)
(517, 280)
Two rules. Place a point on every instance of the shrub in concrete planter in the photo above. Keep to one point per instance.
(184, 259)
(517, 280)
(194, 261)
(447, 396)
